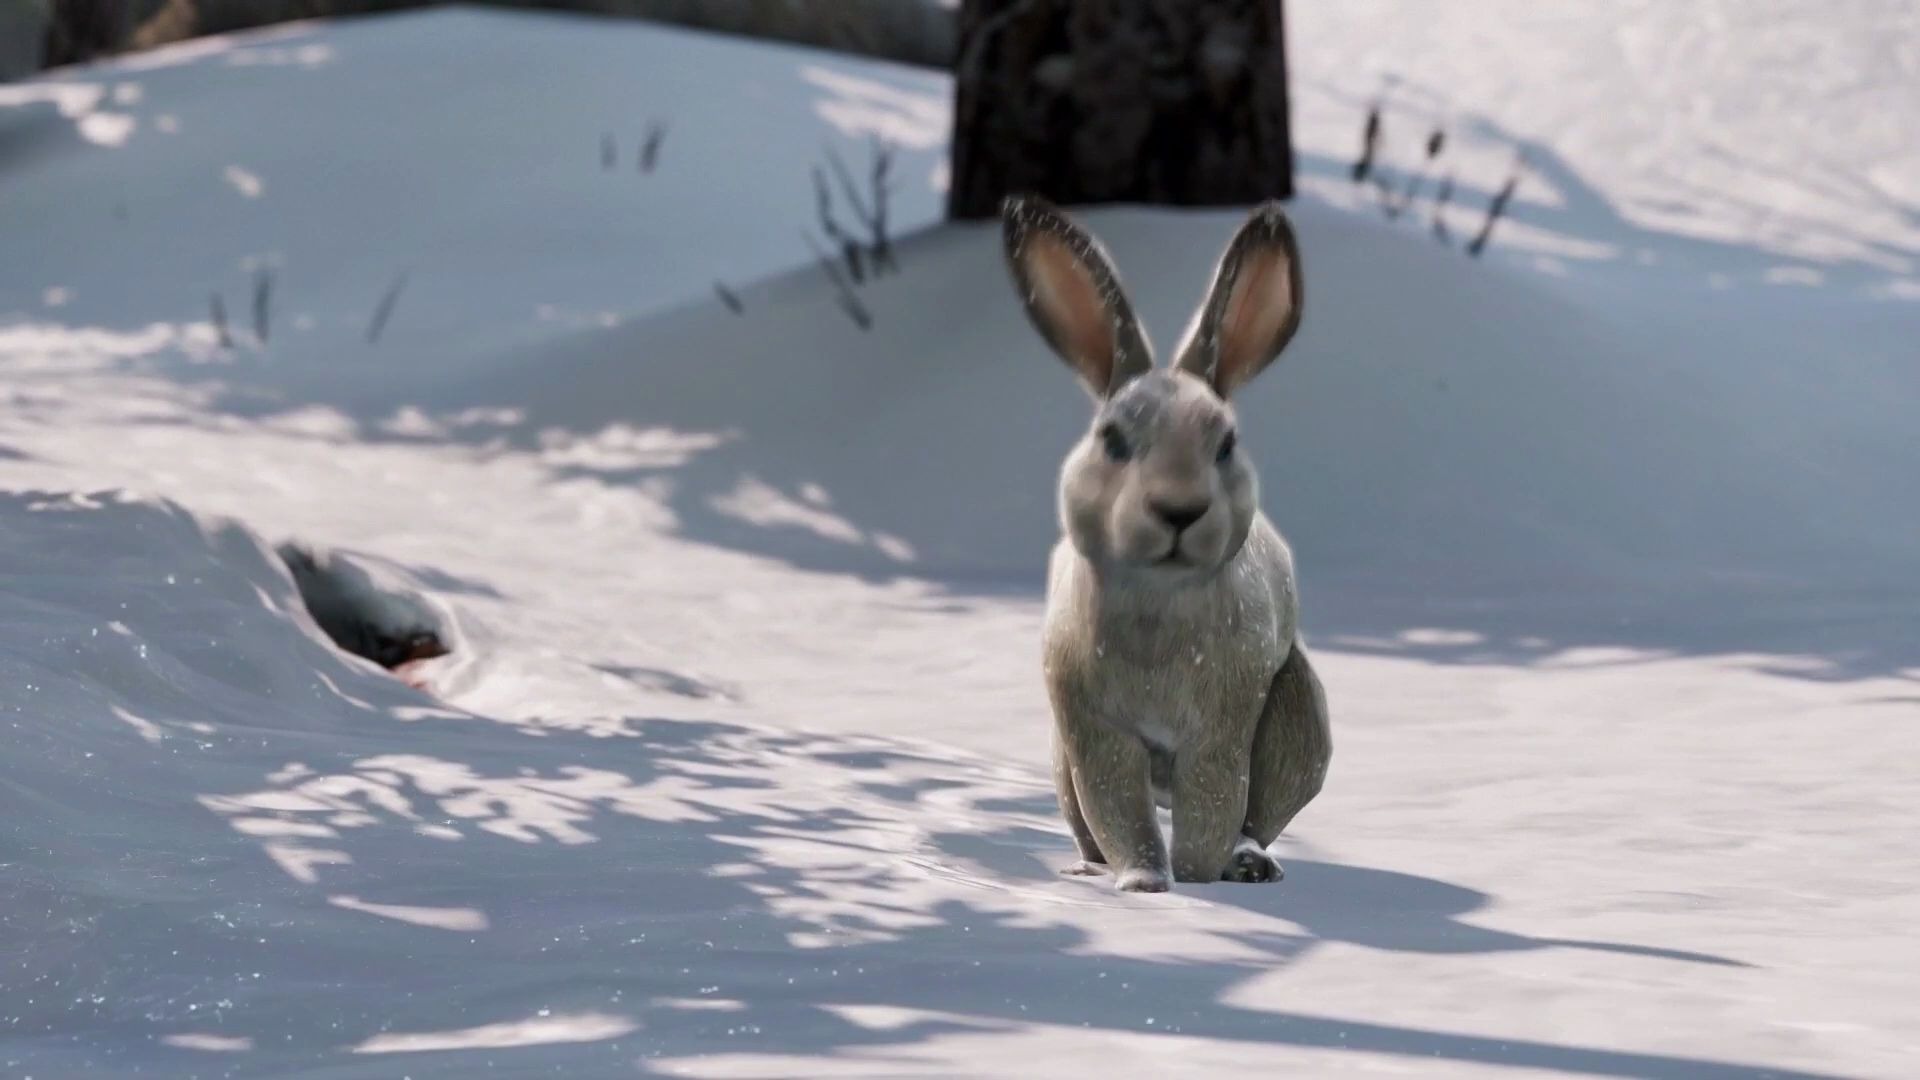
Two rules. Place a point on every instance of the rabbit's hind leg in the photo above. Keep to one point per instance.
(1291, 749)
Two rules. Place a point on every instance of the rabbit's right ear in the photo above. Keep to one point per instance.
(1253, 306)
(1072, 294)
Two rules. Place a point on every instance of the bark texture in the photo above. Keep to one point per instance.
(1171, 102)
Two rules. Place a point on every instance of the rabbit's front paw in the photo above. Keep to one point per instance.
(1084, 868)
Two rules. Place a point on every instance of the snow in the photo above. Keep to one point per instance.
(738, 767)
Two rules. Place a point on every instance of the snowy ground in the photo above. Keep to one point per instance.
(1609, 542)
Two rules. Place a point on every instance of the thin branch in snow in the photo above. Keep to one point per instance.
(849, 247)
(650, 145)
(1440, 200)
(728, 297)
(848, 189)
(877, 224)
(1369, 143)
(217, 309)
(1497, 207)
(849, 301)
(262, 302)
(870, 209)
(856, 311)
(384, 310)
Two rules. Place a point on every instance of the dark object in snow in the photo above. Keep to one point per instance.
(1369, 144)
(217, 311)
(872, 210)
(384, 311)
(389, 628)
(650, 146)
(871, 255)
(849, 302)
(728, 297)
(1495, 209)
(262, 303)
(849, 248)
(608, 153)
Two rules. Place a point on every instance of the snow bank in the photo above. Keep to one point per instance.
(460, 147)
(234, 850)
(1438, 424)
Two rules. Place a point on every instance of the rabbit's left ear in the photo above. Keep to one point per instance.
(1253, 307)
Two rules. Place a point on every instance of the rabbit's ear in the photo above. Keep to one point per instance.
(1253, 306)
(1072, 294)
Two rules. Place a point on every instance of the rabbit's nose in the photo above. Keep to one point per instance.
(1179, 515)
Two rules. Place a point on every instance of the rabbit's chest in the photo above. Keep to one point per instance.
(1170, 674)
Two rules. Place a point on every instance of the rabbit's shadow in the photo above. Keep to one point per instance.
(1373, 907)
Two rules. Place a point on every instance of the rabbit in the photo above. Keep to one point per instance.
(1173, 659)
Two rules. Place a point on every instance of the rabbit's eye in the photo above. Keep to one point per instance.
(1225, 452)
(1115, 444)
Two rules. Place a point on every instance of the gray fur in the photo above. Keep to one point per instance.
(1173, 658)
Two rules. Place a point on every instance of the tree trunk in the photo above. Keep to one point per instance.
(1171, 102)
(82, 30)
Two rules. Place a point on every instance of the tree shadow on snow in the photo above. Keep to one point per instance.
(461, 893)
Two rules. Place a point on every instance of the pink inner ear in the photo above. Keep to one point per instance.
(1070, 297)
(1257, 312)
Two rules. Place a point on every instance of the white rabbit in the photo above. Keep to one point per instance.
(1173, 659)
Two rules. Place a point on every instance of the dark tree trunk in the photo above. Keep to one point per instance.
(83, 30)
(1174, 102)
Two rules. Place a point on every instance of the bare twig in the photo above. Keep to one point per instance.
(849, 301)
(650, 146)
(728, 297)
(1440, 200)
(877, 224)
(848, 190)
(1369, 143)
(218, 310)
(856, 311)
(384, 310)
(870, 209)
(1497, 207)
(827, 264)
(849, 247)
(262, 302)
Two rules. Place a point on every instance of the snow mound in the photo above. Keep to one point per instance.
(461, 155)
(1438, 424)
(232, 847)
